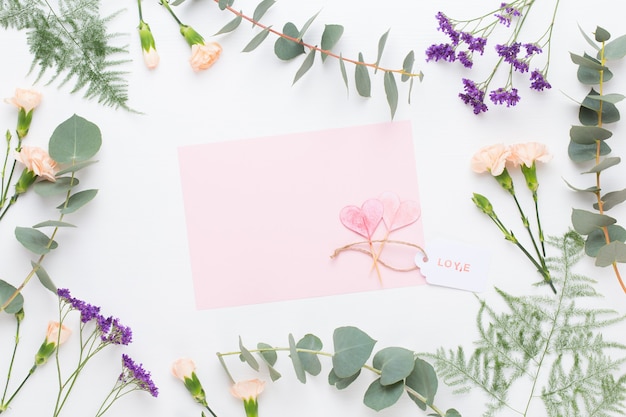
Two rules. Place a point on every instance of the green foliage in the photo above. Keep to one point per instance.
(71, 45)
(290, 45)
(547, 348)
(72, 145)
(605, 239)
(397, 370)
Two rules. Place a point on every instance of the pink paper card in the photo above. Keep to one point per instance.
(263, 215)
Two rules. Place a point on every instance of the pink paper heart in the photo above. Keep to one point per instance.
(363, 220)
(398, 214)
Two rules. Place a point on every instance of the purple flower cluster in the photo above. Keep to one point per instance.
(538, 82)
(501, 96)
(111, 330)
(509, 13)
(447, 51)
(473, 96)
(135, 374)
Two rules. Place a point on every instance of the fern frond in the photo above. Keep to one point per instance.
(543, 336)
(73, 45)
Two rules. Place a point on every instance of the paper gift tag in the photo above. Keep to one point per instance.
(455, 265)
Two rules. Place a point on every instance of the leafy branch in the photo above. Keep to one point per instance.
(73, 143)
(550, 345)
(397, 369)
(605, 239)
(72, 45)
(290, 44)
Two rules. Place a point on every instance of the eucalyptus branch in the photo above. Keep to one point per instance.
(397, 370)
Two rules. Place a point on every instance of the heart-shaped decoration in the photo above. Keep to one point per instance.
(363, 220)
(398, 214)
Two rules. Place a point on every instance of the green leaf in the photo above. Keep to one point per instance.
(6, 291)
(381, 47)
(378, 396)
(452, 413)
(307, 25)
(423, 380)
(341, 383)
(613, 252)
(225, 3)
(588, 112)
(247, 357)
(353, 348)
(587, 62)
(261, 8)
(43, 276)
(616, 49)
(582, 153)
(394, 363)
(257, 40)
(295, 359)
(344, 74)
(607, 98)
(74, 140)
(269, 356)
(306, 65)
(77, 200)
(604, 164)
(612, 199)
(362, 77)
(593, 189)
(53, 223)
(230, 26)
(590, 76)
(310, 362)
(601, 34)
(286, 49)
(330, 37)
(586, 135)
(585, 222)
(34, 240)
(60, 186)
(407, 66)
(596, 239)
(75, 167)
(588, 39)
(391, 90)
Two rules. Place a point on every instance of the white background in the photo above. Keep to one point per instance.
(129, 253)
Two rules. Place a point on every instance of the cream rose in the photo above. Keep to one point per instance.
(57, 333)
(183, 368)
(491, 158)
(204, 55)
(528, 153)
(38, 161)
(25, 99)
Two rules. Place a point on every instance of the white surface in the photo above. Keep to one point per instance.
(129, 252)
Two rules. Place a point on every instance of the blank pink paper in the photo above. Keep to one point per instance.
(263, 214)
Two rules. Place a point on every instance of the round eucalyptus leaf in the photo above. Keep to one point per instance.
(6, 291)
(353, 348)
(310, 362)
(394, 363)
(596, 239)
(582, 153)
(341, 383)
(423, 380)
(74, 140)
(286, 49)
(585, 222)
(379, 396)
(34, 240)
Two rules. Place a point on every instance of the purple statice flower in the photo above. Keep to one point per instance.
(509, 13)
(538, 82)
(135, 374)
(531, 49)
(447, 27)
(501, 96)
(117, 333)
(465, 59)
(509, 53)
(88, 312)
(473, 96)
(474, 43)
(443, 51)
